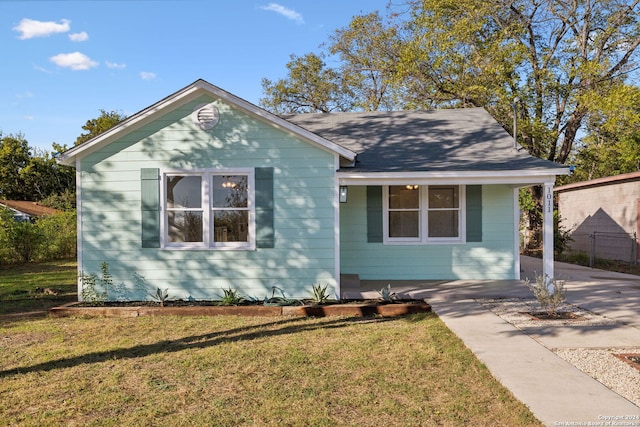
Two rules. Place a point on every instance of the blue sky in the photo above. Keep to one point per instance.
(64, 61)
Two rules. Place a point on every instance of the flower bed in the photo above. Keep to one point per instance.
(348, 309)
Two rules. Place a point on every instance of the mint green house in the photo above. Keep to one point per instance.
(204, 191)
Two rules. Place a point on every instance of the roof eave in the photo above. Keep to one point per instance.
(516, 178)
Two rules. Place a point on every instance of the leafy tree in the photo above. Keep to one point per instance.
(95, 127)
(368, 50)
(14, 158)
(44, 177)
(311, 87)
(612, 145)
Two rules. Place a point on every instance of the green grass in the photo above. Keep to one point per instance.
(18, 286)
(228, 371)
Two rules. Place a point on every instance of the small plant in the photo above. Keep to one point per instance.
(386, 294)
(550, 293)
(320, 294)
(161, 296)
(280, 301)
(231, 297)
(90, 292)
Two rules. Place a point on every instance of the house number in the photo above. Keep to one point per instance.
(549, 200)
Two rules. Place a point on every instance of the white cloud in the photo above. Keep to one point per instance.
(145, 75)
(76, 61)
(29, 28)
(28, 117)
(286, 12)
(27, 94)
(79, 37)
(114, 65)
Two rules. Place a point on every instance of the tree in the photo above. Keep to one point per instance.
(14, 158)
(95, 127)
(612, 144)
(551, 58)
(311, 87)
(368, 50)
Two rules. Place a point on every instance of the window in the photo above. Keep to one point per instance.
(421, 214)
(209, 209)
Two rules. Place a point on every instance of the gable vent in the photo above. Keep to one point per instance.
(206, 116)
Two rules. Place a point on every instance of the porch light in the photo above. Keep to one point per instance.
(411, 187)
(343, 194)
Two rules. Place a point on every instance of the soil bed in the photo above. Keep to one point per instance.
(213, 308)
(561, 315)
(632, 359)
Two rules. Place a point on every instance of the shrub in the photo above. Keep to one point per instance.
(550, 293)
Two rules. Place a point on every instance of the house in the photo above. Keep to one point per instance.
(602, 216)
(204, 191)
(27, 211)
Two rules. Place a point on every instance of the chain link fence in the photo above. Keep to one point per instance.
(604, 245)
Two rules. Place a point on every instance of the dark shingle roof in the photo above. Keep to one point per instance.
(466, 139)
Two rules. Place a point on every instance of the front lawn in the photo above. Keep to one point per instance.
(229, 371)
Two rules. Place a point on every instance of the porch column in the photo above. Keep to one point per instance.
(547, 231)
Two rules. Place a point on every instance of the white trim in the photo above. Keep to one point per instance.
(423, 217)
(512, 177)
(516, 233)
(336, 228)
(207, 210)
(547, 231)
(182, 97)
(79, 225)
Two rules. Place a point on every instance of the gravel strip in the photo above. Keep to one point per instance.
(598, 363)
(602, 365)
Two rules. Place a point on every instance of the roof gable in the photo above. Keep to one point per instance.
(182, 97)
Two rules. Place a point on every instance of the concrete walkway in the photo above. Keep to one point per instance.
(555, 391)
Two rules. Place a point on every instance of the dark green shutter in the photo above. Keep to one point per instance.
(474, 213)
(374, 214)
(150, 197)
(265, 235)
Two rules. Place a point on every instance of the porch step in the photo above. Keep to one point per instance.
(350, 281)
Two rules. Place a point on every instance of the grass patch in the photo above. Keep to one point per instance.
(18, 284)
(231, 371)
(246, 371)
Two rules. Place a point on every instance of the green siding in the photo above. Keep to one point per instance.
(493, 258)
(297, 251)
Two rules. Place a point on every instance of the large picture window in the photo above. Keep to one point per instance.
(209, 209)
(422, 214)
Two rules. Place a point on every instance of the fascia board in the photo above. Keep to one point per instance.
(514, 178)
(182, 97)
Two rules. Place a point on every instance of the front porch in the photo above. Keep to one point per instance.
(354, 288)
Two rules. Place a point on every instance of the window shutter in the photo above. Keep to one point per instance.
(374, 214)
(265, 235)
(150, 198)
(474, 213)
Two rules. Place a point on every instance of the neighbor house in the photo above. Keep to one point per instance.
(204, 191)
(602, 216)
(27, 211)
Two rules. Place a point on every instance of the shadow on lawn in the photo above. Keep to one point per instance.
(248, 333)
